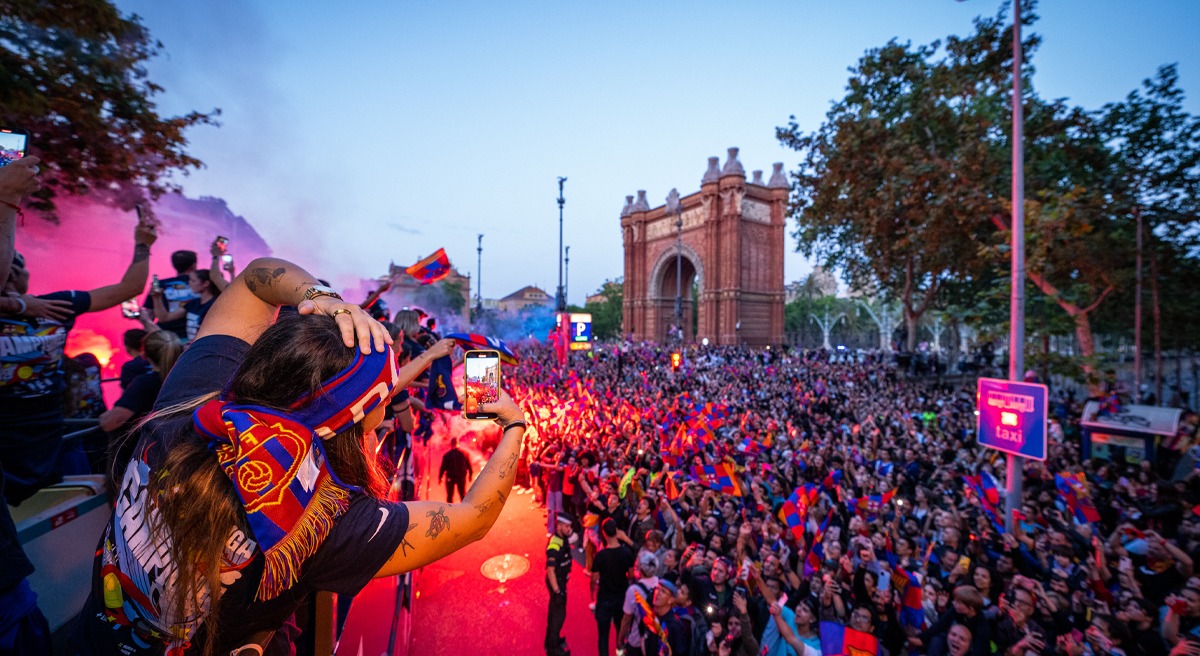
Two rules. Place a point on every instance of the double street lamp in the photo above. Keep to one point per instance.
(673, 205)
(561, 299)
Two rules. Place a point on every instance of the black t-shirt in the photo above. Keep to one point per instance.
(133, 578)
(196, 311)
(140, 395)
(176, 292)
(613, 565)
(132, 369)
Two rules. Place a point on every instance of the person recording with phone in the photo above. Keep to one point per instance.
(175, 291)
(264, 429)
(18, 179)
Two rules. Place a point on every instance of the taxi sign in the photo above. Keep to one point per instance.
(1012, 417)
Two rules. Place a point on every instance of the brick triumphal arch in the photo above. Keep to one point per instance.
(731, 259)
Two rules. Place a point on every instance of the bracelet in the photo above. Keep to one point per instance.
(514, 424)
(22, 304)
(17, 208)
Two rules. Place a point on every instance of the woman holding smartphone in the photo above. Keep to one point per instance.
(253, 483)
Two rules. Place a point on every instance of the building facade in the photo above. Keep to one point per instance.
(730, 259)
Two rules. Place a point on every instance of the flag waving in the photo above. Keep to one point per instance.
(717, 477)
(474, 341)
(431, 269)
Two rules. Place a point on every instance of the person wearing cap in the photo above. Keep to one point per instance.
(558, 568)
(632, 634)
(673, 632)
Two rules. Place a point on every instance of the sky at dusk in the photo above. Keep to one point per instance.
(358, 133)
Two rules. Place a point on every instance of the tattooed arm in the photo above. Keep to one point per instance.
(134, 280)
(248, 305)
(440, 529)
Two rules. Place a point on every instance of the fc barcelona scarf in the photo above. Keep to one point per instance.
(279, 469)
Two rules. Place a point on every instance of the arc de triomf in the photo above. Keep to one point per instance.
(732, 255)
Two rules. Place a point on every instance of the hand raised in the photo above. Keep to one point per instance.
(352, 321)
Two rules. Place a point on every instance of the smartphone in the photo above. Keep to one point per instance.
(226, 259)
(964, 563)
(223, 242)
(13, 145)
(481, 369)
(144, 216)
(130, 309)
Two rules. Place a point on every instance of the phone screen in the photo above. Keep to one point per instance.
(130, 309)
(226, 259)
(12, 145)
(482, 385)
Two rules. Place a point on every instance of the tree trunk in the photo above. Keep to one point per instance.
(1137, 312)
(1156, 315)
(910, 321)
(1087, 348)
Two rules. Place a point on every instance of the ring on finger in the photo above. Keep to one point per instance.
(340, 311)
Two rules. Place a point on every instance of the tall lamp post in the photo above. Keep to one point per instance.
(567, 277)
(479, 276)
(561, 299)
(673, 205)
(1016, 337)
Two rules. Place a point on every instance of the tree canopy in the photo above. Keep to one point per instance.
(73, 75)
(906, 185)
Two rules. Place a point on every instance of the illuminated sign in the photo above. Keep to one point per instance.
(581, 331)
(1012, 417)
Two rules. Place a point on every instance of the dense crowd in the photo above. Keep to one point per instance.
(768, 502)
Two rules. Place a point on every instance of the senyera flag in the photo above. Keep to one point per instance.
(474, 341)
(431, 269)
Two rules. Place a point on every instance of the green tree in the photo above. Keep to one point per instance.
(890, 188)
(606, 313)
(73, 74)
(1156, 148)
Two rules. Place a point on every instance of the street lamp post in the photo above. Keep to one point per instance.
(479, 276)
(673, 205)
(1016, 338)
(561, 300)
(567, 276)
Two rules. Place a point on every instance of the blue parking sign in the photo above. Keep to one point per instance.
(1012, 417)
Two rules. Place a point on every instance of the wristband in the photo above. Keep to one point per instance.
(518, 422)
(16, 208)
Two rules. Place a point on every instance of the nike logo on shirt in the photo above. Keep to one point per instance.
(383, 512)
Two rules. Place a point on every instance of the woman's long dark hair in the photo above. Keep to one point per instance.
(197, 507)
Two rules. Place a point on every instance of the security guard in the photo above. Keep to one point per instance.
(558, 567)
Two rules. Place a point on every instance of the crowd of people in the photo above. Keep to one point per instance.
(749, 501)
(243, 455)
(770, 502)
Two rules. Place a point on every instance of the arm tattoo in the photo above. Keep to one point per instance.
(141, 253)
(263, 276)
(508, 465)
(484, 507)
(438, 522)
(501, 495)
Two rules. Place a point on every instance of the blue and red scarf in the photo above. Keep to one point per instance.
(279, 469)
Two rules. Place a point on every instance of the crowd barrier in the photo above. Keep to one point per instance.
(59, 528)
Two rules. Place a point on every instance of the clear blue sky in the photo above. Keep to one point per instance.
(363, 132)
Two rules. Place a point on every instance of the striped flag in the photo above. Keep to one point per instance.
(717, 477)
(431, 269)
(483, 342)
